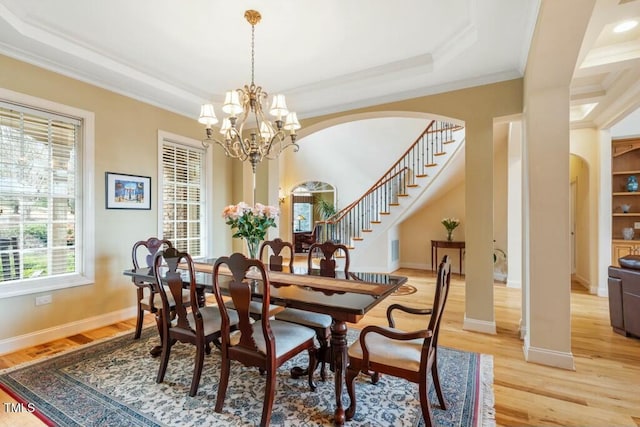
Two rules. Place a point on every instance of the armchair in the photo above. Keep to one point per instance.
(408, 355)
(308, 239)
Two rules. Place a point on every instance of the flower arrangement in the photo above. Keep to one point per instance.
(450, 224)
(250, 223)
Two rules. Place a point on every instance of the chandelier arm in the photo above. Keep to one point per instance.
(229, 149)
(283, 146)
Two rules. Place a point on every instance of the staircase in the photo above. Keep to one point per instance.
(391, 197)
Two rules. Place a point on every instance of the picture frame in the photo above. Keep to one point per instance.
(124, 191)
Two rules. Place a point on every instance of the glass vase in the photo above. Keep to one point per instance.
(449, 235)
(253, 246)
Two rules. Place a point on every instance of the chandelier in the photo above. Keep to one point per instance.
(245, 107)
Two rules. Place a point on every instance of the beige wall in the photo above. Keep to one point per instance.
(584, 167)
(126, 138)
(126, 141)
(477, 107)
(417, 231)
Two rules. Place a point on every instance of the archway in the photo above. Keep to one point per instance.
(311, 202)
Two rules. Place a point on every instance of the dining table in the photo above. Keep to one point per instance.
(346, 297)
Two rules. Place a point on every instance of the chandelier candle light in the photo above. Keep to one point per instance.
(266, 139)
(450, 224)
(250, 223)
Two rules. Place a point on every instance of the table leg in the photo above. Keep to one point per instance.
(434, 257)
(339, 346)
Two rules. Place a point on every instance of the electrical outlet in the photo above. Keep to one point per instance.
(636, 225)
(43, 299)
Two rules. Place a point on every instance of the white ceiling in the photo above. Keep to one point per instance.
(326, 56)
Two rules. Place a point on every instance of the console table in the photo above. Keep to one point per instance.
(435, 244)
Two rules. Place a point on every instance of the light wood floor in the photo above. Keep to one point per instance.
(604, 390)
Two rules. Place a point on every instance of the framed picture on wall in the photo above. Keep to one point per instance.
(127, 191)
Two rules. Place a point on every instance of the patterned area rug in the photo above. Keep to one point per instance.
(112, 383)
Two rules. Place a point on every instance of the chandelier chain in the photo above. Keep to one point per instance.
(253, 53)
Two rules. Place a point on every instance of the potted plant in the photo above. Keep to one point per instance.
(325, 209)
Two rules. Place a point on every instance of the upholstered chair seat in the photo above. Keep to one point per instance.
(287, 336)
(306, 318)
(157, 300)
(390, 352)
(255, 308)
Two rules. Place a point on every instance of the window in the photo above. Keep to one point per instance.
(183, 187)
(46, 151)
(303, 212)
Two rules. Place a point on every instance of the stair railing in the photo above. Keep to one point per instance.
(359, 216)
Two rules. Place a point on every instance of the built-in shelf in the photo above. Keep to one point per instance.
(626, 172)
(625, 162)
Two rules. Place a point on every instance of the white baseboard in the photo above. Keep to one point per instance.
(476, 325)
(415, 265)
(543, 356)
(514, 283)
(499, 277)
(9, 345)
(523, 329)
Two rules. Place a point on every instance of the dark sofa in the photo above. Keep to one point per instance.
(624, 296)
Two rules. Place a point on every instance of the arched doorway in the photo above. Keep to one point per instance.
(311, 202)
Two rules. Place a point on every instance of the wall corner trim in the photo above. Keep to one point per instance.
(543, 356)
(476, 325)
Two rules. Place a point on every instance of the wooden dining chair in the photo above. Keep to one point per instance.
(265, 344)
(320, 323)
(275, 263)
(409, 355)
(147, 298)
(278, 248)
(329, 252)
(199, 326)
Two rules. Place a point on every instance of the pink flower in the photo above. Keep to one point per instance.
(250, 223)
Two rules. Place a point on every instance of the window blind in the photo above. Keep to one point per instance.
(38, 190)
(183, 187)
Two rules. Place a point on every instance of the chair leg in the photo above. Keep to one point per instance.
(313, 362)
(197, 370)
(269, 395)
(139, 295)
(351, 374)
(225, 367)
(164, 359)
(423, 392)
(139, 322)
(324, 354)
(436, 384)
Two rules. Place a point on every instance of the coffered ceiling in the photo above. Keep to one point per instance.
(324, 56)
(606, 82)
